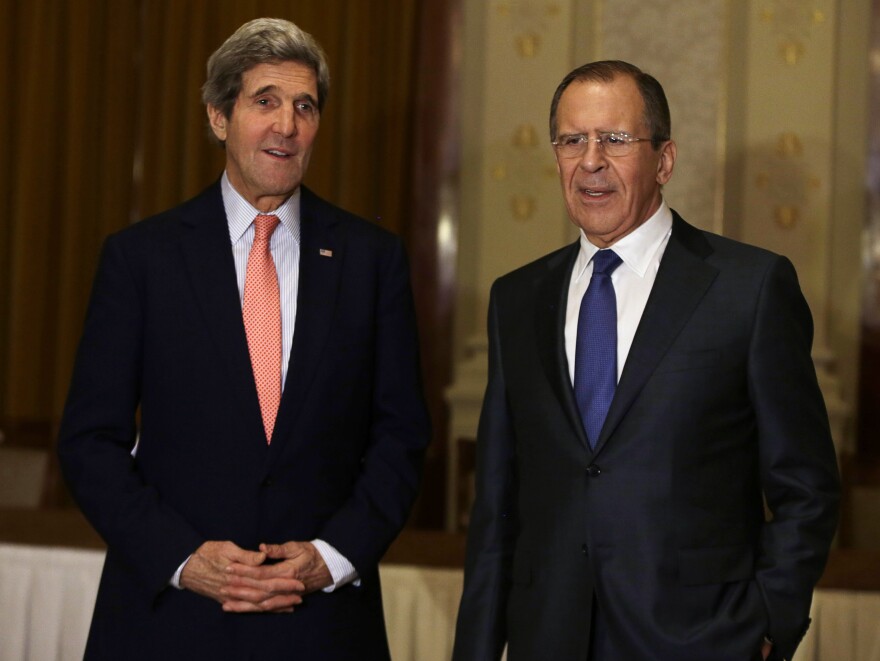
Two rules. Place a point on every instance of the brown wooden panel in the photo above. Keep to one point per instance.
(852, 569)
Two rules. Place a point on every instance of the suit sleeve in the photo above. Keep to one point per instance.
(797, 458)
(481, 631)
(381, 499)
(98, 432)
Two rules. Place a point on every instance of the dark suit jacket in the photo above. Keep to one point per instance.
(164, 334)
(663, 525)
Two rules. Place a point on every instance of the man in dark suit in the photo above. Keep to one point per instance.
(647, 385)
(266, 339)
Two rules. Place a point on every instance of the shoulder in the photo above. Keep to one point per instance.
(559, 259)
(206, 207)
(315, 210)
(721, 250)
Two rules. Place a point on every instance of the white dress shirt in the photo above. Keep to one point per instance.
(641, 251)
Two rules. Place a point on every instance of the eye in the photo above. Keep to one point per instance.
(615, 138)
(572, 140)
(306, 107)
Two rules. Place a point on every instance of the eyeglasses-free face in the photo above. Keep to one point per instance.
(271, 131)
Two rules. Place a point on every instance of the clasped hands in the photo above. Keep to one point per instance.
(241, 581)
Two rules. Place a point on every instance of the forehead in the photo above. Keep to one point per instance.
(293, 78)
(589, 105)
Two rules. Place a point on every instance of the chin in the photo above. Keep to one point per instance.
(285, 187)
(594, 228)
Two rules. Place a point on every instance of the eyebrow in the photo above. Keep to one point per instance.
(598, 131)
(266, 89)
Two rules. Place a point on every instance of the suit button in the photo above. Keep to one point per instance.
(267, 482)
(584, 549)
(593, 470)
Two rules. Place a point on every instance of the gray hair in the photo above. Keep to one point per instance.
(260, 41)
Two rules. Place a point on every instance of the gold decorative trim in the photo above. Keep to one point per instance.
(525, 137)
(787, 216)
(528, 45)
(523, 206)
(529, 21)
(789, 145)
(791, 51)
(793, 22)
(784, 179)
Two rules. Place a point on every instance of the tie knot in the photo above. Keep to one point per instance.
(264, 225)
(605, 261)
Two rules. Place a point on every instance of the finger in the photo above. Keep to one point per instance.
(263, 572)
(260, 572)
(248, 589)
(221, 554)
(244, 593)
(281, 603)
(278, 551)
(244, 557)
(248, 607)
(282, 585)
(275, 604)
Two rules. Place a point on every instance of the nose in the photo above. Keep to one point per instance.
(285, 122)
(593, 158)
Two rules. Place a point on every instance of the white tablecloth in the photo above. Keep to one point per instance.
(45, 613)
(846, 625)
(47, 595)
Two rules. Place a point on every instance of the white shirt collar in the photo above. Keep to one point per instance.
(240, 213)
(636, 249)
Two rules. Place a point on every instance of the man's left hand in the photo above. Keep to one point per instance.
(297, 560)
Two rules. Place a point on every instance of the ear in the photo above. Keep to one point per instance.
(217, 120)
(666, 163)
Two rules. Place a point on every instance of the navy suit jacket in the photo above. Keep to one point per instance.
(663, 524)
(164, 341)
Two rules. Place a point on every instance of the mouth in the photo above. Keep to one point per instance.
(596, 193)
(278, 153)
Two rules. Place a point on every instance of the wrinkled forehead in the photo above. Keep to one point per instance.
(591, 106)
(283, 76)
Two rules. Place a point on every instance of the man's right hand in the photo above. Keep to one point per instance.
(208, 573)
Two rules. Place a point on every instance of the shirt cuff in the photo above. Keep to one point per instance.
(175, 580)
(342, 571)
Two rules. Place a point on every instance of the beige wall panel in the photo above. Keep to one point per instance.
(516, 51)
(520, 212)
(682, 43)
(788, 132)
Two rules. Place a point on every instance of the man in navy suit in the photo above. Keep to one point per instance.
(239, 526)
(649, 386)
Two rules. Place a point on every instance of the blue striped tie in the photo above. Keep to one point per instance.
(595, 362)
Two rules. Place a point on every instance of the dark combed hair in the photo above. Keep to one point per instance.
(656, 107)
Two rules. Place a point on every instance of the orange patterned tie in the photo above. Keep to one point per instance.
(262, 320)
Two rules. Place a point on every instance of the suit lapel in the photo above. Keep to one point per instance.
(320, 264)
(552, 298)
(207, 253)
(682, 280)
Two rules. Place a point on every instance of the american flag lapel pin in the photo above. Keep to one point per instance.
(325, 253)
